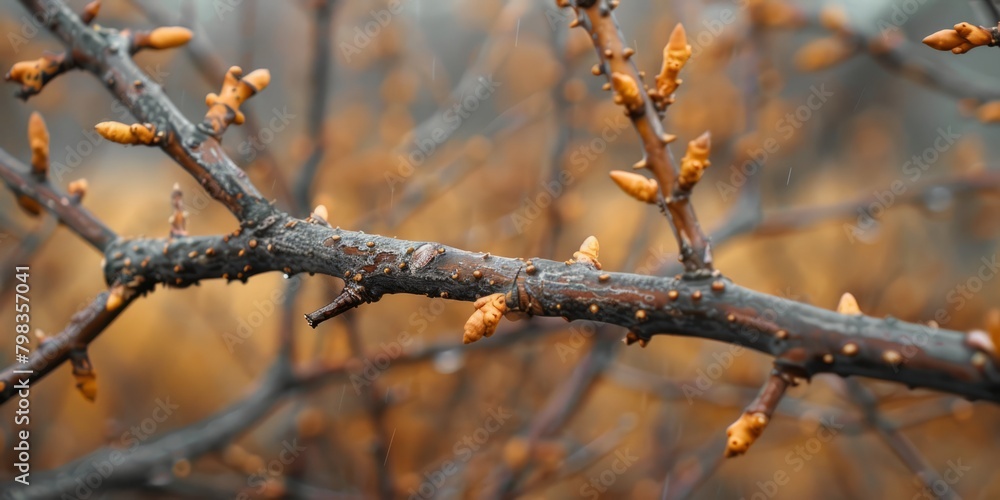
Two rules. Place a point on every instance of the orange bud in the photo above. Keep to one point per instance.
(166, 37)
(943, 40)
(78, 188)
(588, 253)
(695, 161)
(963, 38)
(675, 54)
(848, 305)
(144, 133)
(744, 432)
(86, 383)
(115, 298)
(626, 91)
(32, 75)
(38, 139)
(976, 35)
(637, 186)
(321, 212)
(483, 322)
(259, 79)
(989, 112)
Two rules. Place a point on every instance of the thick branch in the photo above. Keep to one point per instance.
(806, 340)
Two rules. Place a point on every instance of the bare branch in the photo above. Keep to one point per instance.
(805, 340)
(35, 195)
(597, 17)
(758, 413)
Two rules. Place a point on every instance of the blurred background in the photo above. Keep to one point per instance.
(479, 125)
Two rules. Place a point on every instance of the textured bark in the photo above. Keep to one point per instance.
(798, 335)
(805, 340)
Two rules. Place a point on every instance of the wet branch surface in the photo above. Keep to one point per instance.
(797, 335)
(804, 340)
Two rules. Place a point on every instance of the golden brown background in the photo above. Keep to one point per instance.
(547, 113)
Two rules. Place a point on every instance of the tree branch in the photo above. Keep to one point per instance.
(598, 19)
(805, 340)
(18, 178)
(53, 351)
(798, 334)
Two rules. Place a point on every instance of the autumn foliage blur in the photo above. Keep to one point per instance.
(479, 125)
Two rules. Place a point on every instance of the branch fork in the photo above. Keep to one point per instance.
(224, 107)
(645, 108)
(699, 304)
